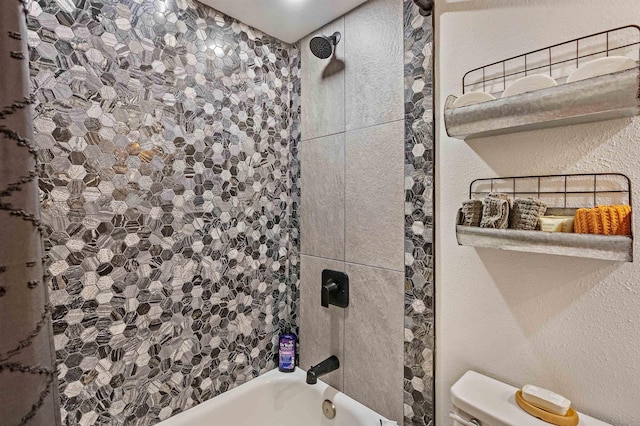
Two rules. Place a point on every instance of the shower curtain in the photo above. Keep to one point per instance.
(28, 394)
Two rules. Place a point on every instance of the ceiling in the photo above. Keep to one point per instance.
(287, 20)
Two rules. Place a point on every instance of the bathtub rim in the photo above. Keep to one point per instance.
(338, 397)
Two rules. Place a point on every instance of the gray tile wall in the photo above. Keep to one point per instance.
(352, 214)
(323, 84)
(167, 138)
(373, 91)
(419, 227)
(373, 339)
(172, 212)
(321, 329)
(323, 179)
(374, 205)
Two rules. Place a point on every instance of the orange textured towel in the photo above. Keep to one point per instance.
(604, 220)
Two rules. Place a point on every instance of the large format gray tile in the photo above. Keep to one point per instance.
(322, 87)
(374, 220)
(321, 329)
(374, 344)
(322, 197)
(374, 48)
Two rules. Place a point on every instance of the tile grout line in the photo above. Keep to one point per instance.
(323, 136)
(344, 205)
(353, 130)
(354, 263)
(375, 125)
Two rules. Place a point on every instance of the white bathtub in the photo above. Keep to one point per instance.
(278, 399)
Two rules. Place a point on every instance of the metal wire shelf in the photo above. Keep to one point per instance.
(555, 56)
(598, 186)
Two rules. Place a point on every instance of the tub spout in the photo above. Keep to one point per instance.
(327, 366)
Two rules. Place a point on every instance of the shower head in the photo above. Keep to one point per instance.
(322, 46)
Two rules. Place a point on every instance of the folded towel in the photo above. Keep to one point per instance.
(471, 213)
(526, 213)
(604, 220)
(495, 213)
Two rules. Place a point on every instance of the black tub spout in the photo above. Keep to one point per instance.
(325, 367)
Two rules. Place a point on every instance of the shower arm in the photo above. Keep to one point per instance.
(426, 6)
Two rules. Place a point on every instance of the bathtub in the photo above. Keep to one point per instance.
(278, 399)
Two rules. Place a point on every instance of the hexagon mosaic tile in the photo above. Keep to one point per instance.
(167, 135)
(419, 255)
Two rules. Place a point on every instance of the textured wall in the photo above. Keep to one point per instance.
(572, 325)
(27, 374)
(166, 133)
(352, 211)
(419, 226)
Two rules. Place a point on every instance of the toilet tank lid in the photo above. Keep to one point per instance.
(493, 403)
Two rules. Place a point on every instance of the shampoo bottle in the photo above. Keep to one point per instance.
(287, 358)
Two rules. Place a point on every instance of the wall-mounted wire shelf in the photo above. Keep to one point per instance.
(563, 194)
(568, 191)
(606, 97)
(556, 61)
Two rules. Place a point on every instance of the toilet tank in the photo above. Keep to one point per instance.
(493, 403)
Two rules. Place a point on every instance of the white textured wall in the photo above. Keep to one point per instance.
(571, 325)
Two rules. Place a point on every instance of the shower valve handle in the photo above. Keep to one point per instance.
(335, 289)
(329, 291)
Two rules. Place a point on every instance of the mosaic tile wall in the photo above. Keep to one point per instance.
(166, 135)
(419, 253)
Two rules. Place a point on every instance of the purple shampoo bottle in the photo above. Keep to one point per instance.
(287, 358)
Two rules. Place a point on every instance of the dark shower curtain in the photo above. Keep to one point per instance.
(28, 394)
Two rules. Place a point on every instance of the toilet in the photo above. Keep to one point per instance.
(482, 401)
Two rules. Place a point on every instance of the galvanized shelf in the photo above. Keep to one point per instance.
(604, 247)
(556, 190)
(601, 98)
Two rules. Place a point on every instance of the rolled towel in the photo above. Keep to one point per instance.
(495, 213)
(526, 213)
(604, 220)
(471, 213)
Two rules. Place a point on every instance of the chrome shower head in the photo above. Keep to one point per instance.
(322, 46)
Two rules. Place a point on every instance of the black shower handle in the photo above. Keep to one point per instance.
(335, 289)
(329, 291)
